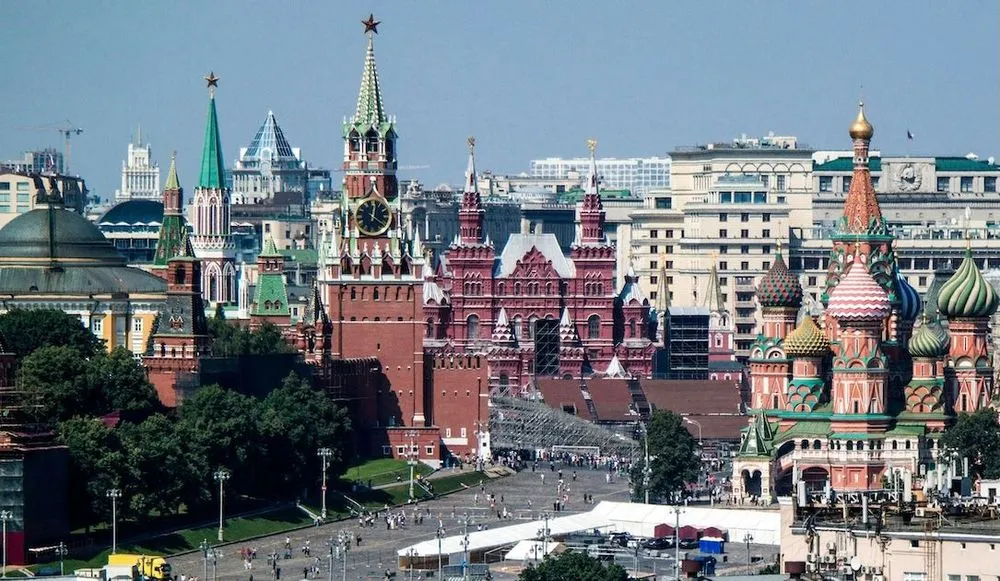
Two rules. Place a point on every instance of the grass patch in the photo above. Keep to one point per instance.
(382, 471)
(460, 481)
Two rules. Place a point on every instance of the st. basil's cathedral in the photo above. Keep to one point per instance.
(858, 397)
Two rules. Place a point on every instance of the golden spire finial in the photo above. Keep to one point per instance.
(861, 128)
(472, 143)
(592, 145)
(778, 246)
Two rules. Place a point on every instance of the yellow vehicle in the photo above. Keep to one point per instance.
(149, 566)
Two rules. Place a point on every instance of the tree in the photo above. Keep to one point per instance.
(673, 459)
(220, 430)
(23, 331)
(233, 341)
(573, 566)
(55, 386)
(94, 465)
(121, 381)
(976, 436)
(295, 422)
(156, 469)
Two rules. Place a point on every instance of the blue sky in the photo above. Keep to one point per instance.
(527, 78)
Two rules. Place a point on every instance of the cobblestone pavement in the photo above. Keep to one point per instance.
(524, 495)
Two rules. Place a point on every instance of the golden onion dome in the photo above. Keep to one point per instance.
(807, 340)
(861, 128)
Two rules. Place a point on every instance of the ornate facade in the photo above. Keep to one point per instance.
(855, 397)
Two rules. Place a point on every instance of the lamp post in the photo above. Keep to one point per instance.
(344, 540)
(544, 534)
(324, 455)
(688, 420)
(677, 540)
(410, 554)
(61, 549)
(411, 461)
(221, 475)
(114, 494)
(204, 556)
(440, 535)
(748, 538)
(215, 564)
(645, 462)
(465, 547)
(5, 515)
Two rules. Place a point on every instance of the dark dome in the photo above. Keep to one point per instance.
(76, 259)
(134, 212)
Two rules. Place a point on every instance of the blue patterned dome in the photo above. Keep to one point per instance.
(909, 298)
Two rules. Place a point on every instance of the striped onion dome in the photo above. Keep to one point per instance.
(929, 340)
(779, 287)
(807, 340)
(909, 298)
(858, 296)
(967, 294)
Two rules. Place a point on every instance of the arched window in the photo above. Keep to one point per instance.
(518, 324)
(500, 288)
(548, 288)
(472, 327)
(179, 275)
(354, 293)
(430, 328)
(631, 327)
(517, 289)
(531, 326)
(593, 327)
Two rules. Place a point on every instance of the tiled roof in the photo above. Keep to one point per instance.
(846, 164)
(963, 164)
(562, 392)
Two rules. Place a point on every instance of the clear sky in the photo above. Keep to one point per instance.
(529, 79)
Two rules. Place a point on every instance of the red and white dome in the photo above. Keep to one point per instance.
(858, 296)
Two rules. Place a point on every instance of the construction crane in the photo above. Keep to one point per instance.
(65, 128)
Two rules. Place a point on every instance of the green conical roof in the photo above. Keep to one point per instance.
(928, 341)
(173, 237)
(758, 439)
(213, 173)
(270, 250)
(967, 294)
(369, 111)
(172, 182)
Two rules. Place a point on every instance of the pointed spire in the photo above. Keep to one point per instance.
(616, 369)
(567, 328)
(369, 111)
(713, 298)
(862, 214)
(417, 248)
(591, 212)
(592, 176)
(138, 139)
(662, 288)
(172, 182)
(270, 249)
(502, 332)
(213, 174)
(471, 214)
(471, 182)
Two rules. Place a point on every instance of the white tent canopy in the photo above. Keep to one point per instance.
(634, 518)
(531, 550)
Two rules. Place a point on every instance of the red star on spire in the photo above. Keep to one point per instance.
(371, 25)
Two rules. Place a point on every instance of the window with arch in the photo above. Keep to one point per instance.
(518, 324)
(472, 327)
(548, 288)
(430, 328)
(531, 327)
(517, 289)
(631, 327)
(503, 380)
(500, 288)
(593, 327)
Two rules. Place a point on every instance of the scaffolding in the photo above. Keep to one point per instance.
(688, 343)
(546, 347)
(525, 424)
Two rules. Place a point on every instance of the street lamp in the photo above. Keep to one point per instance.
(61, 549)
(324, 455)
(204, 546)
(645, 462)
(114, 494)
(221, 475)
(544, 534)
(5, 515)
(465, 547)
(411, 461)
(440, 535)
(688, 420)
(410, 554)
(677, 540)
(748, 538)
(344, 538)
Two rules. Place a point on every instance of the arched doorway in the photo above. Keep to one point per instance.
(751, 483)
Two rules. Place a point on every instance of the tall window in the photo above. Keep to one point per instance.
(472, 327)
(518, 324)
(593, 327)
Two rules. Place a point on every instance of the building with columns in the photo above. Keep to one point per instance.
(847, 394)
(140, 174)
(213, 242)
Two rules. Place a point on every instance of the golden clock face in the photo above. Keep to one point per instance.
(373, 217)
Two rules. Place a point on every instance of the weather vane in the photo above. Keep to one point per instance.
(592, 145)
(371, 25)
(213, 82)
(472, 143)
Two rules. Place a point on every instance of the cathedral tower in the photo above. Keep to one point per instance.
(173, 229)
(779, 294)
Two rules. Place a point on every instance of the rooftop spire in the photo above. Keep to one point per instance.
(369, 110)
(713, 299)
(212, 165)
(862, 214)
(591, 210)
(662, 288)
(172, 182)
(471, 182)
(471, 213)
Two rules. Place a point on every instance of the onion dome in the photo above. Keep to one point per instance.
(928, 342)
(858, 296)
(861, 128)
(909, 298)
(807, 340)
(967, 294)
(779, 287)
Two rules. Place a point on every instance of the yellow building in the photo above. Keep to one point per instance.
(52, 258)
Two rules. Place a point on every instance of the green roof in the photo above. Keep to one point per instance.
(172, 182)
(270, 250)
(303, 256)
(847, 164)
(963, 164)
(213, 173)
(271, 296)
(574, 195)
(172, 233)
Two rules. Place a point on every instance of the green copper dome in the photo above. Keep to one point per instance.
(967, 294)
(928, 341)
(807, 340)
(779, 287)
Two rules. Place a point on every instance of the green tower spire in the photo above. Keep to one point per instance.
(271, 296)
(212, 165)
(172, 182)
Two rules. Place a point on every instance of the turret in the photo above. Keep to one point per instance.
(471, 213)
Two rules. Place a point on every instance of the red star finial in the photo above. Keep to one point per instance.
(212, 80)
(371, 25)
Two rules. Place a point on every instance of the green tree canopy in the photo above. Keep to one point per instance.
(573, 566)
(295, 422)
(95, 466)
(976, 436)
(157, 472)
(22, 331)
(54, 385)
(673, 459)
(121, 381)
(232, 340)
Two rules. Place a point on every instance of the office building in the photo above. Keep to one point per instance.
(639, 175)
(140, 174)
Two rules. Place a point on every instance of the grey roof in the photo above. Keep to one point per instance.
(520, 244)
(78, 280)
(134, 212)
(270, 138)
(686, 311)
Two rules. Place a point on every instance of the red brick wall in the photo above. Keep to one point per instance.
(458, 392)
